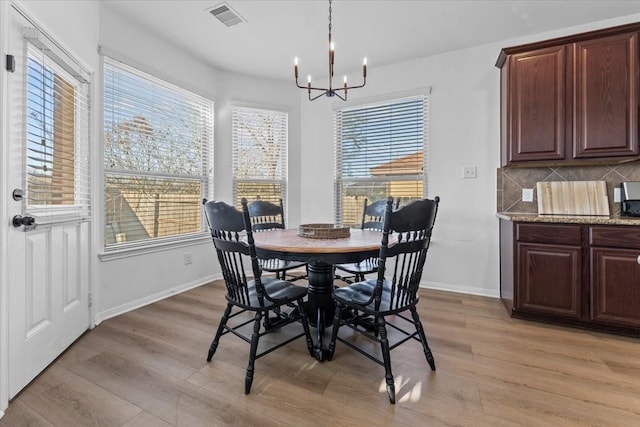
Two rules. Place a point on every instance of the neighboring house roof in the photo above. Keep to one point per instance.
(407, 165)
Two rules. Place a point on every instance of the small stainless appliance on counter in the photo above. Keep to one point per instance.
(630, 196)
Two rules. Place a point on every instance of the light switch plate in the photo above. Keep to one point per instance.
(527, 194)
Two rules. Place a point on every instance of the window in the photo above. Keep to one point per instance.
(259, 154)
(157, 146)
(380, 152)
(56, 135)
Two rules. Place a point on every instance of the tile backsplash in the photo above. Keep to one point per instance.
(512, 180)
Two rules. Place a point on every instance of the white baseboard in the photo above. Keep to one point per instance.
(471, 290)
(1, 414)
(124, 308)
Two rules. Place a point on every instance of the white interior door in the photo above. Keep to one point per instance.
(48, 273)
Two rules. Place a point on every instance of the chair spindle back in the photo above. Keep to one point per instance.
(412, 226)
(373, 215)
(233, 239)
(266, 215)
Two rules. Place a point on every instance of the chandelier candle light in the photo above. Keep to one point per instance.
(330, 92)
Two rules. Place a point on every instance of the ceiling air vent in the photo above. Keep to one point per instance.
(226, 15)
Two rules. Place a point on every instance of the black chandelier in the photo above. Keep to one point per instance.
(330, 92)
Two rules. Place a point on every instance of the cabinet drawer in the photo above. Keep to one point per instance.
(616, 237)
(545, 233)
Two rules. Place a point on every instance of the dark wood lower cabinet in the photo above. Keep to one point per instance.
(615, 286)
(549, 279)
(573, 274)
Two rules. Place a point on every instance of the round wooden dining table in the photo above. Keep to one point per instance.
(320, 255)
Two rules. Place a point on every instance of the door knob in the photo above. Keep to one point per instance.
(19, 221)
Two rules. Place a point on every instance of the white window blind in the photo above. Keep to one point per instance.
(56, 134)
(259, 154)
(158, 141)
(380, 152)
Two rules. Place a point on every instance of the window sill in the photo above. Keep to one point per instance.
(118, 253)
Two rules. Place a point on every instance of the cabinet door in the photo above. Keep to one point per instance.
(549, 279)
(606, 93)
(615, 286)
(536, 103)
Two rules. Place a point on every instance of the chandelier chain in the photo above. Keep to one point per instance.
(329, 19)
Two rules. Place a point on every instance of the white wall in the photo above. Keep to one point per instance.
(137, 279)
(464, 129)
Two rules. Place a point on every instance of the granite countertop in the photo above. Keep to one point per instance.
(570, 219)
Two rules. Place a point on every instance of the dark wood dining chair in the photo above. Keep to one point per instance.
(267, 216)
(233, 240)
(394, 292)
(372, 219)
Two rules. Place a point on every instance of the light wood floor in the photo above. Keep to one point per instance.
(148, 368)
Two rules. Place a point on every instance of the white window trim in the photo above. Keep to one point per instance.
(371, 102)
(285, 179)
(137, 248)
(67, 66)
(184, 84)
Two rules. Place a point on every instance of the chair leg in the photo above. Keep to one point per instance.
(252, 353)
(334, 331)
(267, 322)
(223, 323)
(305, 326)
(386, 356)
(423, 338)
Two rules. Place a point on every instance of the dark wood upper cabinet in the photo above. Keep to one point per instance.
(606, 93)
(572, 100)
(536, 104)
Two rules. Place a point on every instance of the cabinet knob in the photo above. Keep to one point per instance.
(638, 259)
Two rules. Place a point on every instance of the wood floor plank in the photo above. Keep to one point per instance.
(148, 368)
(180, 361)
(149, 389)
(21, 414)
(542, 408)
(66, 399)
(145, 419)
(522, 377)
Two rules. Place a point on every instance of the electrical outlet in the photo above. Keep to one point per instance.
(616, 195)
(187, 258)
(527, 194)
(469, 172)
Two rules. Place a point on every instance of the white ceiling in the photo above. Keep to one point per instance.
(385, 31)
